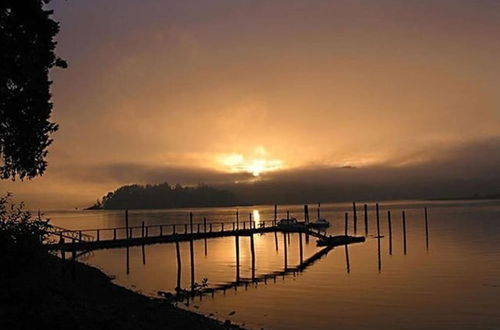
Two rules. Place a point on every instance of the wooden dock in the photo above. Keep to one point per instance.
(119, 237)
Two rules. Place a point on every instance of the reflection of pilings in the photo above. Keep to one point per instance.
(237, 242)
(404, 232)
(285, 251)
(389, 222)
(378, 255)
(355, 219)
(178, 252)
(252, 250)
(263, 278)
(301, 249)
(206, 247)
(366, 219)
(128, 260)
(426, 230)
(347, 264)
(191, 253)
(143, 254)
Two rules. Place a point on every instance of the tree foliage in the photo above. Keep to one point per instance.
(27, 46)
(21, 234)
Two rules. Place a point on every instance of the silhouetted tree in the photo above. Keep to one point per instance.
(27, 46)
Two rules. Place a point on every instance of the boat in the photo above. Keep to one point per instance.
(290, 223)
(320, 223)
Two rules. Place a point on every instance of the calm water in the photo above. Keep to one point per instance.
(454, 284)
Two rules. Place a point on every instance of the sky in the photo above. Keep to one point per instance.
(264, 93)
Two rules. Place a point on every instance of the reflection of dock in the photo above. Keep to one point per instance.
(269, 276)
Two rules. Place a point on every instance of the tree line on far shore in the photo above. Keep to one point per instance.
(164, 195)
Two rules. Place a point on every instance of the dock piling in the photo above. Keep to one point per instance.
(404, 232)
(346, 223)
(355, 215)
(366, 219)
(390, 231)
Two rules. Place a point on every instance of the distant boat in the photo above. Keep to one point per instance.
(320, 223)
(290, 223)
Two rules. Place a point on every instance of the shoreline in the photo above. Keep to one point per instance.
(46, 295)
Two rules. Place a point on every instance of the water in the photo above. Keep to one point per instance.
(452, 283)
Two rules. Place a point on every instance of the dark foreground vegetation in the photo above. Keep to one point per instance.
(164, 196)
(40, 291)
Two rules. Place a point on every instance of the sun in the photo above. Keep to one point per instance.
(236, 162)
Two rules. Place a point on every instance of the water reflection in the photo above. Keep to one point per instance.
(407, 283)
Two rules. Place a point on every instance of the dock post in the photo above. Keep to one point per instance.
(173, 229)
(234, 227)
(130, 232)
(301, 249)
(197, 227)
(210, 227)
(191, 253)
(276, 240)
(61, 246)
(378, 220)
(366, 220)
(285, 250)
(161, 230)
(191, 221)
(80, 235)
(275, 213)
(142, 229)
(426, 230)
(355, 215)
(244, 225)
(252, 250)
(306, 213)
(185, 228)
(250, 220)
(73, 258)
(237, 244)
(222, 226)
(178, 252)
(98, 236)
(404, 232)
(114, 234)
(126, 224)
(390, 231)
(147, 231)
(237, 219)
(346, 223)
(204, 224)
(319, 207)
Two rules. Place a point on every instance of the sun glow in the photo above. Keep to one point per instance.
(256, 165)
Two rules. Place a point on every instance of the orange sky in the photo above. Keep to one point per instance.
(238, 85)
